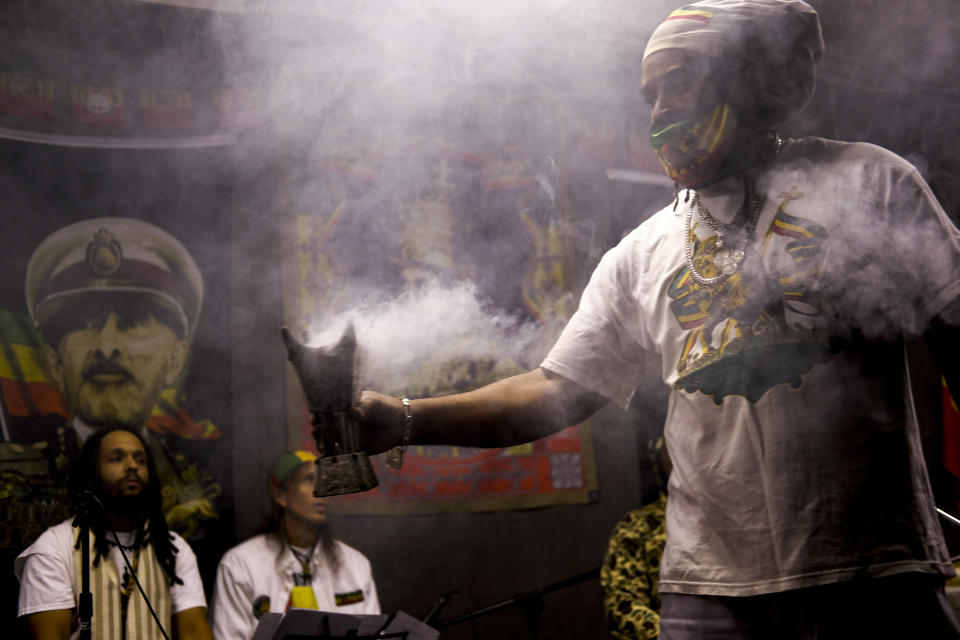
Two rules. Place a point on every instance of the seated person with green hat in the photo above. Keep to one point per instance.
(293, 562)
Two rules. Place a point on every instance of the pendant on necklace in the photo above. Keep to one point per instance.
(728, 261)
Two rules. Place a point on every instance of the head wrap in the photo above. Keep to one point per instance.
(768, 48)
(287, 463)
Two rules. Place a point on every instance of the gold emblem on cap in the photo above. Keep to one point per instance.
(104, 254)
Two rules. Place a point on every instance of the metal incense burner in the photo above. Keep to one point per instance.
(328, 378)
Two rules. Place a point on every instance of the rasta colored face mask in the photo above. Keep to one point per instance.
(692, 151)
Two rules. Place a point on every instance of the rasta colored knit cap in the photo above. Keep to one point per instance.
(780, 40)
(721, 27)
(287, 463)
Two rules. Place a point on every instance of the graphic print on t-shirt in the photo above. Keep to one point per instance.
(763, 325)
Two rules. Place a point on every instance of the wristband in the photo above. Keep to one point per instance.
(395, 455)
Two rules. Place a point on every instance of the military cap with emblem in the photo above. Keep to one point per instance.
(116, 257)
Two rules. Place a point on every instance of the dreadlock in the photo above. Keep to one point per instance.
(85, 476)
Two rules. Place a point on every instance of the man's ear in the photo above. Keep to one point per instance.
(176, 362)
(278, 495)
(53, 366)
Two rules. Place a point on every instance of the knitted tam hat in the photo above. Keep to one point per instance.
(780, 40)
(287, 463)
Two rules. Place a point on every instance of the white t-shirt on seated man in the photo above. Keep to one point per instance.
(48, 581)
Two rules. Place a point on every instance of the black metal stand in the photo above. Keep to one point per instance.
(91, 507)
(530, 603)
(85, 598)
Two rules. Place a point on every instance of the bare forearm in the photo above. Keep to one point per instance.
(507, 412)
(519, 409)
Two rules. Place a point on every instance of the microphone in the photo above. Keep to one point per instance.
(437, 606)
(89, 509)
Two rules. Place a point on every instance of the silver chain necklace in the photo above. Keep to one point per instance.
(726, 261)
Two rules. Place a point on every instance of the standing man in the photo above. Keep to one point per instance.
(778, 289)
(116, 466)
(294, 562)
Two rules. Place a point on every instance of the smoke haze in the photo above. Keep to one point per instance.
(431, 324)
(414, 79)
(408, 164)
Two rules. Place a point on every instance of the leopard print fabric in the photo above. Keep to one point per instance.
(631, 570)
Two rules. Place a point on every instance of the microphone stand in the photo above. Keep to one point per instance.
(89, 502)
(85, 598)
(530, 603)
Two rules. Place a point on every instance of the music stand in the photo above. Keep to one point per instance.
(309, 624)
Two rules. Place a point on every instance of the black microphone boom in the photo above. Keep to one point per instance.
(90, 507)
(437, 606)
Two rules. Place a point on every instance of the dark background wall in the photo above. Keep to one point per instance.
(889, 76)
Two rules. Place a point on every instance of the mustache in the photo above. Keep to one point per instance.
(103, 366)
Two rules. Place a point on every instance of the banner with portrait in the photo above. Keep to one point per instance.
(115, 181)
(109, 251)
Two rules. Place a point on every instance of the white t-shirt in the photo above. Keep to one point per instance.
(46, 573)
(794, 440)
(260, 569)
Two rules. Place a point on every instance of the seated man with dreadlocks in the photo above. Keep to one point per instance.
(117, 468)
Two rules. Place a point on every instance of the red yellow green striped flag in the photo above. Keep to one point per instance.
(28, 390)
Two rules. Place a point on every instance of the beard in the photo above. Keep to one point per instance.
(108, 406)
(125, 505)
(124, 399)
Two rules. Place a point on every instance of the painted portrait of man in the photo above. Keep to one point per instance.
(116, 301)
(114, 304)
